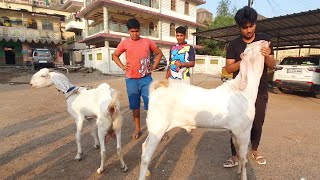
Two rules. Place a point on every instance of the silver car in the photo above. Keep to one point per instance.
(42, 58)
(298, 74)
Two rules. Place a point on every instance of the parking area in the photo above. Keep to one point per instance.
(37, 137)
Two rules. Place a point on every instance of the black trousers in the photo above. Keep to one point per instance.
(256, 131)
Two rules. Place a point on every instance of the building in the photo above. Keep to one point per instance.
(105, 26)
(204, 16)
(29, 24)
(73, 48)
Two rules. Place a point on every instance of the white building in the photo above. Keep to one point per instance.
(105, 26)
(73, 49)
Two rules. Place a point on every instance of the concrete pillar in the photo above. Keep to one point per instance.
(86, 28)
(105, 20)
(106, 44)
(160, 30)
(26, 56)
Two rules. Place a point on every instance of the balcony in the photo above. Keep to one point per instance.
(148, 3)
(72, 5)
(39, 3)
(74, 38)
(119, 27)
(25, 34)
(74, 24)
(95, 29)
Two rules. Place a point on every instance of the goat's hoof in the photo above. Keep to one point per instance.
(148, 173)
(96, 146)
(99, 170)
(78, 157)
(124, 168)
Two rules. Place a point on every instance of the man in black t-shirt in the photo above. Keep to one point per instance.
(246, 18)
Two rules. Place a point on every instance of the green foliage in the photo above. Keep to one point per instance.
(223, 8)
(222, 21)
(225, 17)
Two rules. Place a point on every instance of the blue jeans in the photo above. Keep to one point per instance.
(137, 88)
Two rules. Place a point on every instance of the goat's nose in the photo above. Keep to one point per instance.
(31, 84)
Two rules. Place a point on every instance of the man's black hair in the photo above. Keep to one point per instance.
(246, 15)
(181, 29)
(133, 23)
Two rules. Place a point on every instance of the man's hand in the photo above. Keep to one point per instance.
(125, 67)
(265, 51)
(241, 56)
(178, 63)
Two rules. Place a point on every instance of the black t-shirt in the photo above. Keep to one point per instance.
(237, 46)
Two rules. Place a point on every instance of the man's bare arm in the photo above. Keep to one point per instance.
(157, 59)
(115, 57)
(232, 66)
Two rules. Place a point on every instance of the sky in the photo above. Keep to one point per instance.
(268, 8)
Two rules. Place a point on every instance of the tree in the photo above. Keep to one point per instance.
(225, 17)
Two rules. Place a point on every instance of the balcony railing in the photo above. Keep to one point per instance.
(40, 3)
(119, 27)
(74, 38)
(149, 3)
(95, 29)
(25, 34)
(72, 17)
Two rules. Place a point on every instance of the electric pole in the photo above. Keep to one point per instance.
(250, 2)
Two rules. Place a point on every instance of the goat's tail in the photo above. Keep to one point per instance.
(157, 84)
(112, 108)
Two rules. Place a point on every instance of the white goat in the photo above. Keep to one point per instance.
(230, 106)
(100, 106)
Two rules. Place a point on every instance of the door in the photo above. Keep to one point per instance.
(9, 55)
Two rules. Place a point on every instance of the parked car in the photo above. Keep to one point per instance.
(42, 58)
(162, 64)
(298, 74)
(225, 75)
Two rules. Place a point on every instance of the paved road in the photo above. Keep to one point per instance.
(37, 137)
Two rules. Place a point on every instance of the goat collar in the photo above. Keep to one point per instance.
(70, 91)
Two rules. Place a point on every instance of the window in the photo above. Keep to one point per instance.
(172, 29)
(99, 56)
(17, 22)
(307, 61)
(186, 8)
(32, 24)
(151, 28)
(173, 5)
(146, 2)
(47, 25)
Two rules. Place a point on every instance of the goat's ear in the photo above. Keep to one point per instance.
(243, 74)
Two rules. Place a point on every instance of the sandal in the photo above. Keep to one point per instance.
(136, 135)
(259, 159)
(230, 163)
